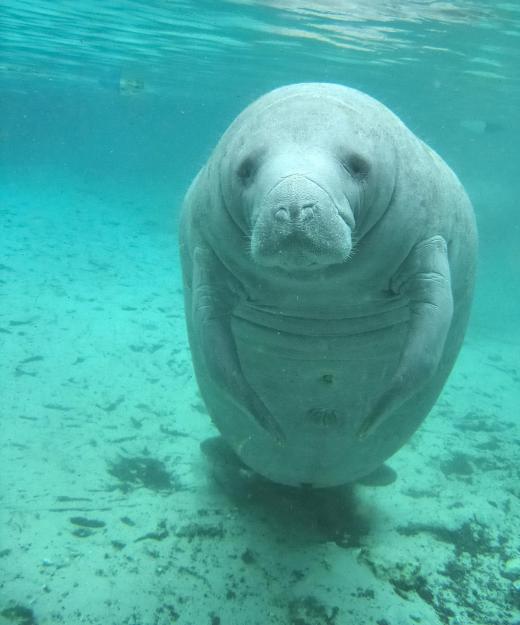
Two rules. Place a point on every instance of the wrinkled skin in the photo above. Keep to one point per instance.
(328, 258)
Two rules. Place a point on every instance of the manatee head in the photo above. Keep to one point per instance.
(305, 176)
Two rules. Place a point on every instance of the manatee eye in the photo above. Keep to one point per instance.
(356, 165)
(250, 164)
(246, 169)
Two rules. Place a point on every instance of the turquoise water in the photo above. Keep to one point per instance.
(107, 111)
(145, 90)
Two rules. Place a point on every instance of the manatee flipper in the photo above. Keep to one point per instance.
(212, 301)
(425, 279)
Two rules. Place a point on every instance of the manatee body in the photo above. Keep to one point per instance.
(328, 257)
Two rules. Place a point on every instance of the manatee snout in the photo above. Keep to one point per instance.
(295, 201)
(298, 224)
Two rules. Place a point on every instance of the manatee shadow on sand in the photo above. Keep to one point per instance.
(307, 514)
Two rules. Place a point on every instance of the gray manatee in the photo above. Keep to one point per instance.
(328, 258)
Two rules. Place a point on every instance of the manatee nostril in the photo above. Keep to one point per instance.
(307, 212)
(281, 214)
(295, 213)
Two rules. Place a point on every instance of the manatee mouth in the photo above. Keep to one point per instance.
(323, 242)
(294, 249)
(299, 226)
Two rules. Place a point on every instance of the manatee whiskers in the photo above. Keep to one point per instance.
(248, 238)
(354, 247)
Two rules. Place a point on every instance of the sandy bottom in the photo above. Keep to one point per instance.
(109, 513)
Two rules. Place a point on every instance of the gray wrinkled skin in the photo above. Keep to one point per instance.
(328, 258)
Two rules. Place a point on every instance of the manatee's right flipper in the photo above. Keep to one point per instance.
(212, 303)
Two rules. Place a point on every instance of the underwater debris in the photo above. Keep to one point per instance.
(84, 522)
(310, 611)
(172, 432)
(59, 407)
(82, 532)
(160, 534)
(201, 530)
(67, 498)
(407, 578)
(113, 405)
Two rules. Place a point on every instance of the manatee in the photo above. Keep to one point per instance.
(328, 259)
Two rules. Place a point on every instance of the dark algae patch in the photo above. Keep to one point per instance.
(19, 615)
(459, 465)
(472, 537)
(141, 472)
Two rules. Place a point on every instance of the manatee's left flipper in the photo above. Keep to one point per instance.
(425, 279)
